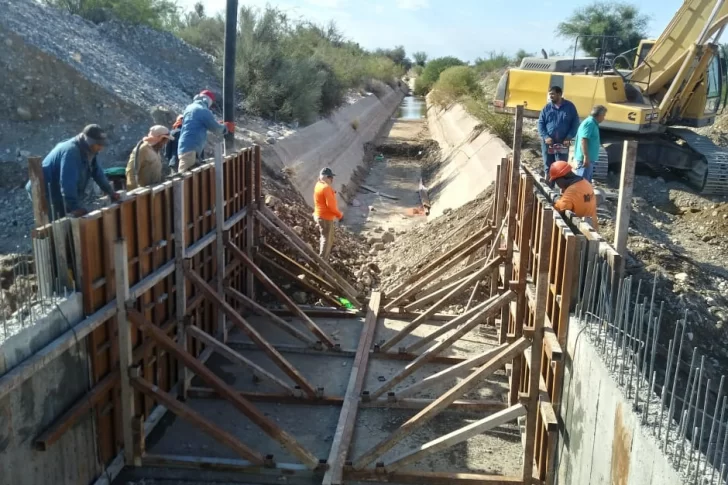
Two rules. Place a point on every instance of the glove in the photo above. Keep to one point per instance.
(230, 126)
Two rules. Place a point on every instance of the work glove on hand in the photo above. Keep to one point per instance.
(230, 126)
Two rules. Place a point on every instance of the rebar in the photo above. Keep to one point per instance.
(654, 337)
(649, 398)
(702, 427)
(717, 441)
(722, 451)
(682, 434)
(617, 323)
(665, 386)
(688, 391)
(692, 449)
(697, 401)
(715, 416)
(624, 334)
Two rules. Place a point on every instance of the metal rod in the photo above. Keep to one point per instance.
(665, 386)
(702, 426)
(720, 432)
(700, 384)
(654, 337)
(649, 397)
(715, 417)
(682, 435)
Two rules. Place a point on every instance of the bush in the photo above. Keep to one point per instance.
(159, 14)
(501, 125)
(494, 62)
(431, 73)
(292, 70)
(453, 84)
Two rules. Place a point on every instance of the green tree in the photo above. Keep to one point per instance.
(420, 58)
(521, 54)
(159, 14)
(431, 73)
(590, 24)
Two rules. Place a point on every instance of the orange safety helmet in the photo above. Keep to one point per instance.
(558, 169)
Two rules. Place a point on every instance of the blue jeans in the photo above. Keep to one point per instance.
(549, 158)
(585, 172)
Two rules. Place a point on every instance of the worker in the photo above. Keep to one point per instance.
(577, 194)
(67, 169)
(325, 211)
(196, 122)
(170, 150)
(588, 142)
(557, 125)
(144, 168)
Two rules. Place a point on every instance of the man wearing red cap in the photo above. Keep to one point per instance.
(196, 122)
(577, 194)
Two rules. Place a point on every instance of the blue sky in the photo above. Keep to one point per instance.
(464, 28)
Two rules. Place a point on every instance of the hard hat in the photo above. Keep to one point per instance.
(209, 94)
(558, 169)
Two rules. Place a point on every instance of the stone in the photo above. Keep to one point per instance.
(300, 297)
(272, 201)
(388, 238)
(270, 140)
(378, 246)
(24, 113)
(374, 240)
(298, 229)
(681, 277)
(163, 116)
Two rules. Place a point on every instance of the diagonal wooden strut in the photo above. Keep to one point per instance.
(347, 417)
(457, 370)
(439, 271)
(424, 416)
(233, 356)
(243, 325)
(488, 268)
(273, 288)
(272, 317)
(443, 329)
(495, 304)
(457, 436)
(303, 282)
(225, 390)
(188, 414)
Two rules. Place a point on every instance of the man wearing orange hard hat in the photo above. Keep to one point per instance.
(577, 194)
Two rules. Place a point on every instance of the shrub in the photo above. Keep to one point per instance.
(431, 73)
(501, 125)
(159, 14)
(454, 83)
(494, 62)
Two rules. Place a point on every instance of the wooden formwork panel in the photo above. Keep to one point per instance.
(146, 221)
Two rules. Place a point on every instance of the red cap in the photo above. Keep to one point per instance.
(209, 94)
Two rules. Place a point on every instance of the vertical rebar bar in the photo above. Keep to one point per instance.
(624, 335)
(665, 386)
(691, 379)
(715, 417)
(700, 384)
(654, 337)
(683, 433)
(717, 441)
(649, 397)
(702, 426)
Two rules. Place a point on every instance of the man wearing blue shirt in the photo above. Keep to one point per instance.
(557, 124)
(67, 170)
(588, 142)
(196, 122)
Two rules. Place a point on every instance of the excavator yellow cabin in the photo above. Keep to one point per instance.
(653, 93)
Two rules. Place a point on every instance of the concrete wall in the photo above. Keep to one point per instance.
(30, 409)
(334, 142)
(469, 157)
(602, 441)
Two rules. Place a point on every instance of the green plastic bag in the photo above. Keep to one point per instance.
(346, 303)
(115, 172)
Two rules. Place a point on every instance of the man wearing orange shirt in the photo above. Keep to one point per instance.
(325, 211)
(577, 195)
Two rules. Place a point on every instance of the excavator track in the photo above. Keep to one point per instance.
(715, 181)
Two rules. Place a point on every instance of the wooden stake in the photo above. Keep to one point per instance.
(219, 232)
(424, 416)
(490, 309)
(457, 436)
(180, 294)
(125, 351)
(249, 233)
(457, 370)
(273, 288)
(243, 325)
(274, 319)
(226, 391)
(491, 266)
(624, 205)
(347, 417)
(38, 191)
(235, 357)
(188, 414)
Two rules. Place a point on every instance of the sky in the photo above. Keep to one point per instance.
(466, 29)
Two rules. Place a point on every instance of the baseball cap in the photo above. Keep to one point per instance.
(327, 172)
(95, 135)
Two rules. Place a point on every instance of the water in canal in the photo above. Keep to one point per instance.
(412, 108)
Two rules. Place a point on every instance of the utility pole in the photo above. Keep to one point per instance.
(228, 94)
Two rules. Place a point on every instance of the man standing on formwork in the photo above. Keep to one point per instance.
(196, 122)
(326, 211)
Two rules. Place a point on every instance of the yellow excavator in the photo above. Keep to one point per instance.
(670, 85)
